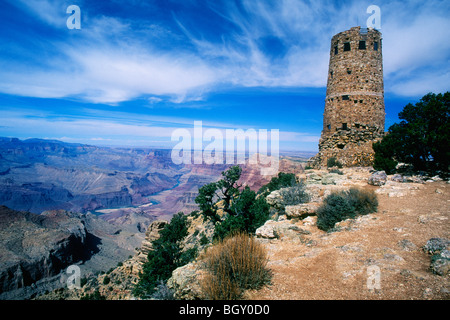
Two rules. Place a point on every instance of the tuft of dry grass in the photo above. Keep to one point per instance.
(234, 265)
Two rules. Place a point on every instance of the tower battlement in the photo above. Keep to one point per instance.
(354, 114)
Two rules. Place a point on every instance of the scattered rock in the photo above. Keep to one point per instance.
(436, 245)
(407, 245)
(267, 231)
(396, 194)
(185, 282)
(398, 178)
(440, 263)
(427, 293)
(378, 178)
(440, 259)
(310, 221)
(301, 210)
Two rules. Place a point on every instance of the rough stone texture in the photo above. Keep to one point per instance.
(436, 245)
(377, 178)
(151, 234)
(35, 249)
(301, 210)
(354, 114)
(439, 249)
(440, 265)
(185, 281)
(267, 231)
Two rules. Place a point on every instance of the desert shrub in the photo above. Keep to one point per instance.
(93, 296)
(343, 205)
(333, 162)
(363, 201)
(282, 180)
(335, 170)
(244, 211)
(249, 213)
(294, 195)
(166, 256)
(235, 264)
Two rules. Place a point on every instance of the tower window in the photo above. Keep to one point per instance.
(331, 74)
(375, 46)
(345, 97)
(329, 126)
(335, 50)
(362, 45)
(349, 71)
(344, 126)
(346, 46)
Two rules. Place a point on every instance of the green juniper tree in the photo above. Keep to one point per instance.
(421, 139)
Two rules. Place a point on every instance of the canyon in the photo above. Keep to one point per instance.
(109, 196)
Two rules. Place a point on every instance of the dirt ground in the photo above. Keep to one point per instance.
(375, 257)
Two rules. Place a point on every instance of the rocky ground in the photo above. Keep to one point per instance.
(374, 257)
(313, 264)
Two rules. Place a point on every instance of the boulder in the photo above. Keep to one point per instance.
(275, 200)
(302, 210)
(398, 178)
(440, 259)
(267, 231)
(440, 264)
(185, 282)
(378, 178)
(436, 245)
(310, 221)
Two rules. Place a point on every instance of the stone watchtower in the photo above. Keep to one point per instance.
(354, 105)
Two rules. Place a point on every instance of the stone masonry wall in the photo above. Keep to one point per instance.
(354, 115)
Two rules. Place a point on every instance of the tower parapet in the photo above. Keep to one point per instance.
(354, 115)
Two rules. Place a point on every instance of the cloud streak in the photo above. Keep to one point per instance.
(270, 44)
(120, 129)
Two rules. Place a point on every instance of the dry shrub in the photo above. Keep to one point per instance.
(345, 204)
(235, 264)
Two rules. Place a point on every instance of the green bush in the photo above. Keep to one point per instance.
(248, 214)
(344, 205)
(244, 211)
(283, 180)
(333, 162)
(166, 256)
(93, 296)
(294, 195)
(420, 139)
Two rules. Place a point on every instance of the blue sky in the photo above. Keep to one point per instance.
(138, 70)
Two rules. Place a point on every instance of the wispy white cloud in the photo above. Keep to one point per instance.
(273, 44)
(415, 49)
